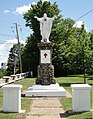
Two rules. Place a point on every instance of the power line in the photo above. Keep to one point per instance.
(6, 35)
(5, 43)
(84, 14)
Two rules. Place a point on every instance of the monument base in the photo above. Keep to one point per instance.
(53, 90)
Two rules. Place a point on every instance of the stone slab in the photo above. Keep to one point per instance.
(46, 91)
(45, 87)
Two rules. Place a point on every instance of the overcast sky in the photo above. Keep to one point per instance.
(11, 11)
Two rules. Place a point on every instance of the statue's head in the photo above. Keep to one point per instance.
(45, 15)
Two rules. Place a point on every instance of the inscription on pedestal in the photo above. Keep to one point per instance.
(45, 56)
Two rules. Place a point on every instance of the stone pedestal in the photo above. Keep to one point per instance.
(80, 97)
(53, 90)
(12, 98)
(45, 69)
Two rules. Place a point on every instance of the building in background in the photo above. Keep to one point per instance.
(3, 65)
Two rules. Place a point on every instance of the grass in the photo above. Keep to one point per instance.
(66, 102)
(27, 82)
(67, 105)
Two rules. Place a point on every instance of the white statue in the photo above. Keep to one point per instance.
(45, 27)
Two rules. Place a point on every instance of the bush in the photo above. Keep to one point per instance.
(2, 73)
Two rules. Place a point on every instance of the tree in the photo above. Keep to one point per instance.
(13, 60)
(84, 51)
(90, 70)
(62, 36)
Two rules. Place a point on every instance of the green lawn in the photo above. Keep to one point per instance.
(27, 82)
(66, 102)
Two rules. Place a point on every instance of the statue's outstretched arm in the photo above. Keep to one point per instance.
(54, 17)
(39, 19)
(36, 17)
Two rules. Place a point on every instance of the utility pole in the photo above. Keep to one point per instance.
(17, 36)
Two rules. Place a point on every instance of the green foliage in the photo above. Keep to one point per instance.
(30, 57)
(90, 59)
(13, 60)
(73, 47)
(2, 73)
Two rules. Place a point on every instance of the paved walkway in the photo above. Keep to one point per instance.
(46, 108)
